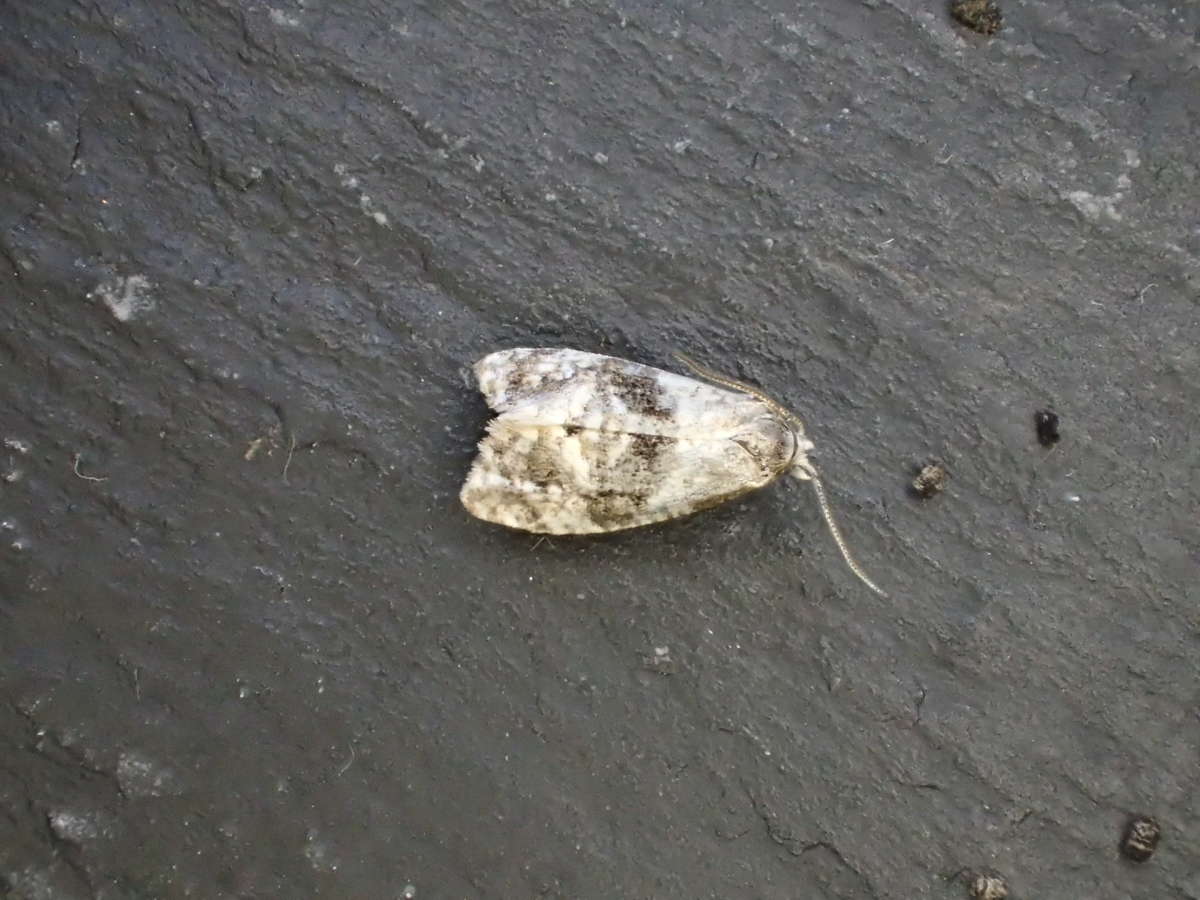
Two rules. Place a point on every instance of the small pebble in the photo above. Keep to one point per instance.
(1046, 422)
(1141, 838)
(989, 887)
(982, 16)
(930, 480)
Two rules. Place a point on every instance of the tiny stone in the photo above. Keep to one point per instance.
(1046, 422)
(1141, 838)
(71, 827)
(982, 16)
(989, 887)
(930, 480)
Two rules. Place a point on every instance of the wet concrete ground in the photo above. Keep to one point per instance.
(251, 645)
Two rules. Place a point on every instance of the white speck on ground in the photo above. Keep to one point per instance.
(73, 827)
(125, 297)
(139, 776)
(318, 853)
(279, 17)
(1096, 207)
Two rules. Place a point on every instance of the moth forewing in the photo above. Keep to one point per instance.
(586, 443)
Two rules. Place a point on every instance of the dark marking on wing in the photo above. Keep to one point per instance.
(544, 463)
(641, 393)
(648, 447)
(614, 509)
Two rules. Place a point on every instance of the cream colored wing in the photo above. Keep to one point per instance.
(563, 479)
(603, 393)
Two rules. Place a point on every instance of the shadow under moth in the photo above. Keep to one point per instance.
(585, 444)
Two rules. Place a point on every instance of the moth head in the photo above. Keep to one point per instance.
(802, 466)
(770, 442)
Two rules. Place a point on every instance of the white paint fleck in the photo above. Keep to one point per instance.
(31, 883)
(1132, 159)
(551, 196)
(409, 892)
(380, 218)
(139, 776)
(1096, 207)
(682, 145)
(600, 158)
(318, 853)
(279, 17)
(125, 297)
(73, 827)
(12, 476)
(342, 172)
(54, 127)
(16, 444)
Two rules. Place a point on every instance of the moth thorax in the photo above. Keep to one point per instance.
(771, 442)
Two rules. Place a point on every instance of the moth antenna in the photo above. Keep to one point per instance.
(805, 466)
(827, 514)
(734, 384)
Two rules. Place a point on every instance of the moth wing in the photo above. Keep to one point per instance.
(542, 386)
(509, 377)
(559, 479)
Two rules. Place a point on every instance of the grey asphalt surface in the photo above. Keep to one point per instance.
(251, 645)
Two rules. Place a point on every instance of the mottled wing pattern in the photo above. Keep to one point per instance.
(588, 444)
(562, 479)
(569, 387)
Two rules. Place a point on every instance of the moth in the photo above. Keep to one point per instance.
(585, 444)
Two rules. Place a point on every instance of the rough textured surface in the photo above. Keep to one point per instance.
(250, 645)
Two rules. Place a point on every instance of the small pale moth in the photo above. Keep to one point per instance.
(585, 444)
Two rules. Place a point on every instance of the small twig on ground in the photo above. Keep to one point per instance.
(288, 461)
(349, 762)
(86, 477)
